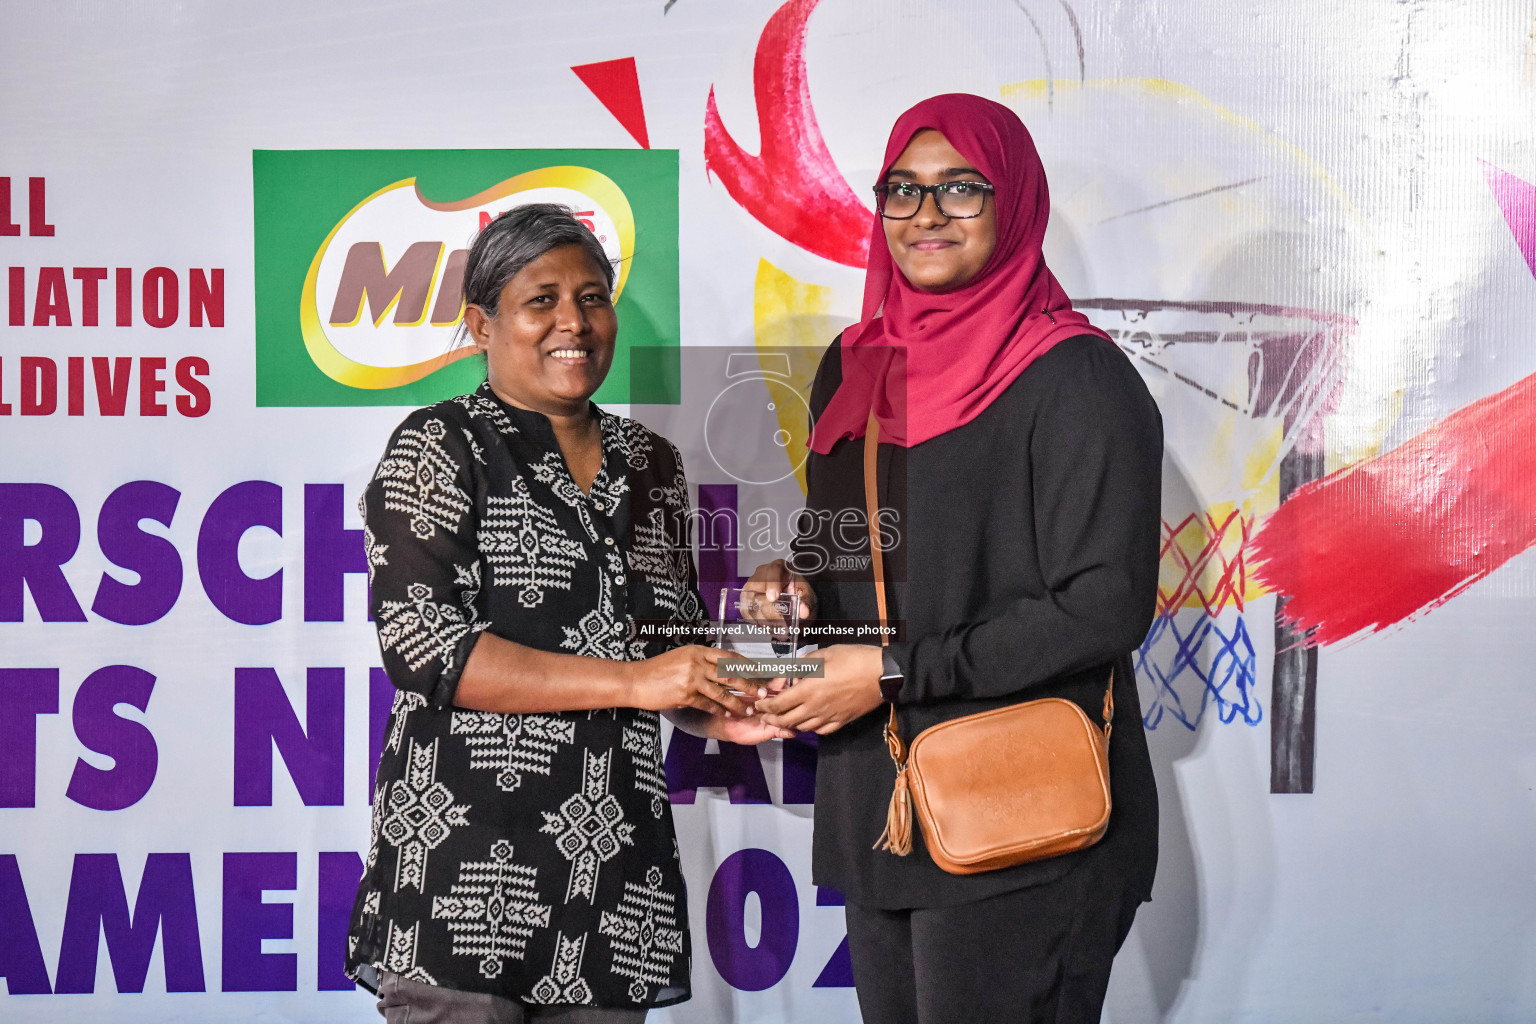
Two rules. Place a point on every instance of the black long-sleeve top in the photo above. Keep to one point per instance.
(1023, 565)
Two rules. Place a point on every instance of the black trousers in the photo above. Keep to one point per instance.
(1034, 956)
(402, 1001)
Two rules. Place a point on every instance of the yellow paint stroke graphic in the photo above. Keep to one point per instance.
(353, 374)
(792, 318)
(1036, 89)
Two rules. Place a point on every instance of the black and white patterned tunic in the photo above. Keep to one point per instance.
(529, 856)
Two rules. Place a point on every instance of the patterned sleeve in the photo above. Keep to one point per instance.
(660, 549)
(690, 607)
(419, 526)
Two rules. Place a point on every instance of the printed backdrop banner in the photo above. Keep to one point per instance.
(233, 242)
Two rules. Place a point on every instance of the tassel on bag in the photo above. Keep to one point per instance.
(897, 837)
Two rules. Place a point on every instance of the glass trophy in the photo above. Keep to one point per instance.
(762, 637)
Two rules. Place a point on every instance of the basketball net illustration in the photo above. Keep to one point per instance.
(1243, 389)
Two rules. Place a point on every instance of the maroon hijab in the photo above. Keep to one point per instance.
(928, 363)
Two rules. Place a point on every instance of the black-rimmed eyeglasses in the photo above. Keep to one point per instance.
(956, 200)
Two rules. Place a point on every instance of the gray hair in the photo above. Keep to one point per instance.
(515, 239)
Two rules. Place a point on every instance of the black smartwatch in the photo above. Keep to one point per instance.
(891, 677)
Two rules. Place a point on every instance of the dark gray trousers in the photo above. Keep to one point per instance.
(402, 1001)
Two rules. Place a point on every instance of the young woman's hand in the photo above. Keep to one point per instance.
(774, 578)
(848, 689)
(744, 731)
(684, 677)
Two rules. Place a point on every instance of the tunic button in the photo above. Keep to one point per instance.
(618, 627)
(608, 541)
(619, 580)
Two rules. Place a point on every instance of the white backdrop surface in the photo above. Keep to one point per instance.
(1351, 177)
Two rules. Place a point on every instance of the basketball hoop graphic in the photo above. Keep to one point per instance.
(1243, 388)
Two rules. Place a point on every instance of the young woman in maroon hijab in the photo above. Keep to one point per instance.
(1019, 467)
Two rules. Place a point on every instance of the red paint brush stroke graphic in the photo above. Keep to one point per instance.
(1400, 534)
(792, 187)
(1517, 200)
(616, 84)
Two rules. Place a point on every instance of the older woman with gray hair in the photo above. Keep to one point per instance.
(523, 863)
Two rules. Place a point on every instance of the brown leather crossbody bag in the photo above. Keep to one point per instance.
(998, 788)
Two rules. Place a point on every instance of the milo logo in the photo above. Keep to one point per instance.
(370, 315)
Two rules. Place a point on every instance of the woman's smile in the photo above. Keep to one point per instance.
(934, 252)
(551, 343)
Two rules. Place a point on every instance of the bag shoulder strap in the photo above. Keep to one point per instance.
(893, 741)
(871, 514)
